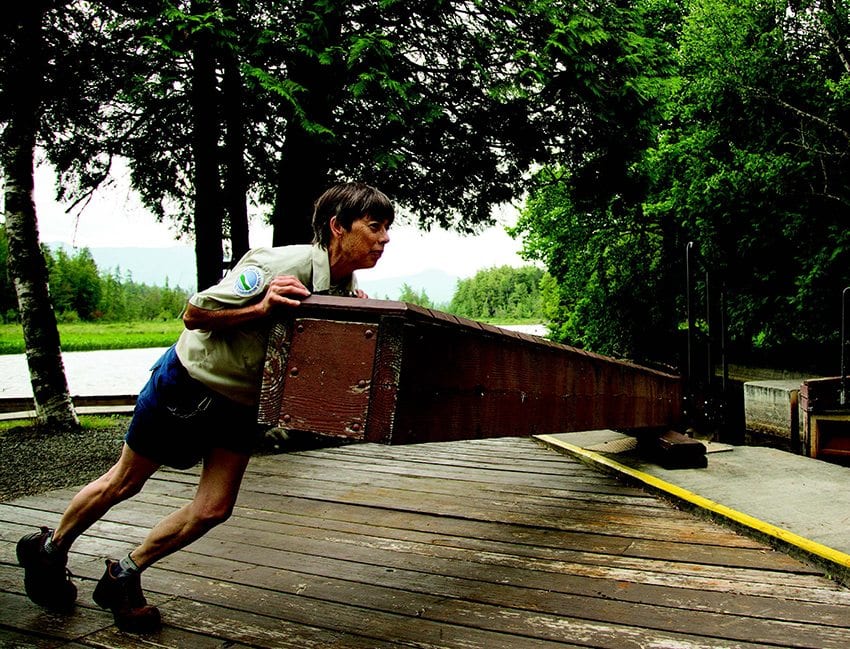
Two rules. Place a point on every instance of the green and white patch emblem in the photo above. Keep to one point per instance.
(249, 281)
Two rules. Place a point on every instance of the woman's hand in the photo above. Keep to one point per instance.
(285, 290)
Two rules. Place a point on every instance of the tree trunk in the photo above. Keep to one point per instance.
(671, 285)
(305, 161)
(302, 177)
(235, 183)
(208, 215)
(26, 263)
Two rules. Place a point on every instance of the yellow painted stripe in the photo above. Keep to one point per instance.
(807, 545)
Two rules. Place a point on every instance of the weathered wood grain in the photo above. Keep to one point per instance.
(485, 544)
(396, 373)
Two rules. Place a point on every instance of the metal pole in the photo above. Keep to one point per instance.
(708, 363)
(723, 359)
(843, 399)
(688, 248)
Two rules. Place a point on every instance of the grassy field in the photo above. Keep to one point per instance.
(87, 422)
(87, 336)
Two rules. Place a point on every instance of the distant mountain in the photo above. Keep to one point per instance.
(438, 285)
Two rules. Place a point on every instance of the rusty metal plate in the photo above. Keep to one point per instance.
(328, 377)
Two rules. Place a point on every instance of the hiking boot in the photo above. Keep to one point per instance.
(47, 580)
(124, 597)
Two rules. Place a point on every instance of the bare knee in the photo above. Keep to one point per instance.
(208, 515)
(126, 489)
(218, 487)
(115, 486)
(125, 479)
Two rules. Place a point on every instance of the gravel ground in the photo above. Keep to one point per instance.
(33, 461)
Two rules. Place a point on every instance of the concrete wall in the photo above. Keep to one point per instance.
(824, 419)
(771, 410)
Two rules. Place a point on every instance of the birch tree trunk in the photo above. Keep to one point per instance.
(26, 263)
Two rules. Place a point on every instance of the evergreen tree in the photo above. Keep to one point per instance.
(740, 148)
(411, 296)
(443, 105)
(754, 164)
(502, 293)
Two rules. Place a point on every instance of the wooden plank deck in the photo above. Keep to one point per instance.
(489, 544)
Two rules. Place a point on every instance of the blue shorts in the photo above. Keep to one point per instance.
(178, 419)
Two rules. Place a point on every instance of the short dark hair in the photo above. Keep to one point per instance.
(348, 202)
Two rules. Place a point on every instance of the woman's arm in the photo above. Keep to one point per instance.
(283, 290)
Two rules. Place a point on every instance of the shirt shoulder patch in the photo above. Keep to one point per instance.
(249, 281)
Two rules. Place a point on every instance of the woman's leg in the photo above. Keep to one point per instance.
(213, 503)
(125, 479)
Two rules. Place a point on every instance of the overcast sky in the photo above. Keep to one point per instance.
(117, 219)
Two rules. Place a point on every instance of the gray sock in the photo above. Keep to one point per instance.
(126, 567)
(49, 547)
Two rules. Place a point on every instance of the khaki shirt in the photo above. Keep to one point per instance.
(230, 361)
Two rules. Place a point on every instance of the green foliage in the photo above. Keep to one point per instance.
(733, 133)
(75, 284)
(444, 105)
(602, 277)
(124, 299)
(650, 124)
(411, 296)
(81, 292)
(753, 166)
(501, 293)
